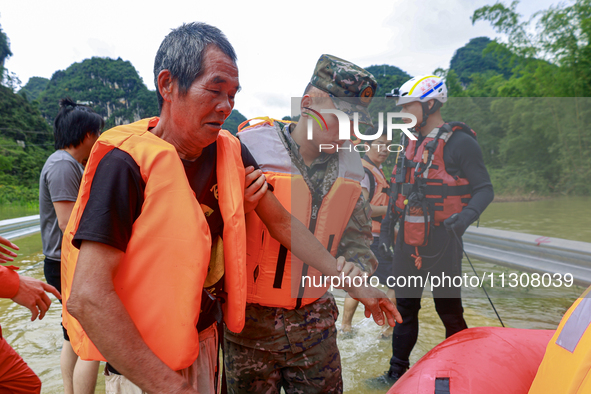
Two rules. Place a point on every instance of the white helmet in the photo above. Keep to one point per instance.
(423, 89)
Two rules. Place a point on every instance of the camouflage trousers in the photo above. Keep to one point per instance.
(315, 370)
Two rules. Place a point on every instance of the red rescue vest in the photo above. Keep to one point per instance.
(423, 172)
(380, 196)
(274, 276)
(160, 278)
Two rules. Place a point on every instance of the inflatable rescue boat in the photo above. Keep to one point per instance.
(491, 360)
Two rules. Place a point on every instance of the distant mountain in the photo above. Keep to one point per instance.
(388, 77)
(33, 88)
(111, 87)
(470, 59)
(231, 124)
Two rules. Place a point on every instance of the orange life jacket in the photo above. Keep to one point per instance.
(380, 195)
(274, 276)
(161, 275)
(422, 170)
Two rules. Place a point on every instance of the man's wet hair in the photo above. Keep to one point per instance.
(181, 53)
(73, 122)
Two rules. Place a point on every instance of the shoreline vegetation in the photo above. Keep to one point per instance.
(532, 196)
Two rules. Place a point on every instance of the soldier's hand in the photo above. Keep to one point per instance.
(255, 187)
(5, 254)
(31, 294)
(377, 304)
(347, 268)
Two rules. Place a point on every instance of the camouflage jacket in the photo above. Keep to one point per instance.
(320, 176)
(295, 330)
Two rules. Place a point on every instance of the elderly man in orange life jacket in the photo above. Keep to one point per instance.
(157, 235)
(440, 185)
(289, 339)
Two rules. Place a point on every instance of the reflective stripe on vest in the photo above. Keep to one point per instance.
(273, 274)
(160, 276)
(380, 198)
(438, 179)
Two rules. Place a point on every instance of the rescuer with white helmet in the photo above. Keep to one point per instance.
(439, 186)
(422, 89)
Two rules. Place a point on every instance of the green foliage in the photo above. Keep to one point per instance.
(33, 88)
(4, 49)
(472, 58)
(111, 87)
(26, 141)
(533, 130)
(388, 77)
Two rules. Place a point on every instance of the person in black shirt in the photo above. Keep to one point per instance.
(440, 251)
(197, 79)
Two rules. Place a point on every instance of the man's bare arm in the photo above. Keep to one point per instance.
(98, 308)
(285, 228)
(63, 210)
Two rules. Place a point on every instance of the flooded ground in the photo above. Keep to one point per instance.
(363, 353)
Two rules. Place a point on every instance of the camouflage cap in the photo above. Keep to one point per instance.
(350, 86)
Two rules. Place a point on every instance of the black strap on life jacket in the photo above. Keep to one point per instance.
(463, 127)
(372, 178)
(372, 183)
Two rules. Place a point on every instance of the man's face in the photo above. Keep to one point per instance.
(378, 152)
(414, 108)
(198, 114)
(326, 135)
(87, 144)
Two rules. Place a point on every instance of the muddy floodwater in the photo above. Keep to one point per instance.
(364, 354)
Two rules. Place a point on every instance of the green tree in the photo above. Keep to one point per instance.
(33, 88)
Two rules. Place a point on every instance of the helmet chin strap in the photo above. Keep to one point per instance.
(426, 112)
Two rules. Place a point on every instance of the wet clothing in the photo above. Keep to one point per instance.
(443, 254)
(298, 346)
(15, 375)
(59, 181)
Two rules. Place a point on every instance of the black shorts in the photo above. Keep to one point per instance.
(52, 270)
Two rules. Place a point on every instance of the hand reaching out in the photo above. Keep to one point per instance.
(5, 254)
(377, 304)
(31, 294)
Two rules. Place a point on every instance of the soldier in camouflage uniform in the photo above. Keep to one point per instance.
(295, 348)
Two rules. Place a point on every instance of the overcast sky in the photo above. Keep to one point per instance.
(277, 44)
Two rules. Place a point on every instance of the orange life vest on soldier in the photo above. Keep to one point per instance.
(447, 194)
(273, 274)
(380, 196)
(161, 274)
